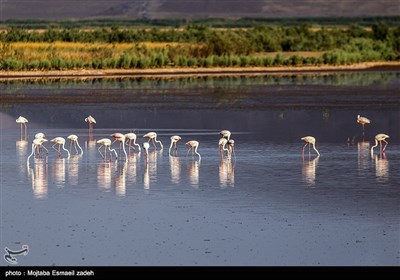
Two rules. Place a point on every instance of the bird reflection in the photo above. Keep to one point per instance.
(59, 172)
(226, 173)
(193, 168)
(132, 167)
(104, 171)
(120, 179)
(363, 155)
(175, 169)
(150, 170)
(73, 169)
(39, 175)
(381, 168)
(309, 170)
(21, 148)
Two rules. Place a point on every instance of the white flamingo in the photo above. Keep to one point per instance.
(380, 138)
(363, 121)
(74, 139)
(22, 121)
(153, 136)
(36, 143)
(225, 133)
(121, 138)
(222, 146)
(107, 144)
(131, 137)
(60, 141)
(309, 141)
(90, 120)
(193, 145)
(174, 139)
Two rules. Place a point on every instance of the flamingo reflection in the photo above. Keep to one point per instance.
(175, 168)
(193, 168)
(226, 173)
(381, 168)
(39, 176)
(363, 156)
(120, 179)
(104, 171)
(309, 171)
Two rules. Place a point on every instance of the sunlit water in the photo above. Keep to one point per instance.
(267, 205)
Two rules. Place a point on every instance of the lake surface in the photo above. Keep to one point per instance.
(267, 205)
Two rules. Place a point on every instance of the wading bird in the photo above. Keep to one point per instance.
(90, 120)
(231, 148)
(121, 138)
(379, 138)
(222, 146)
(36, 144)
(174, 140)
(107, 144)
(22, 121)
(153, 136)
(225, 133)
(60, 141)
(131, 137)
(74, 139)
(193, 145)
(363, 121)
(309, 141)
(40, 135)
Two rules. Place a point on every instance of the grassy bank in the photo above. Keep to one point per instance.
(196, 46)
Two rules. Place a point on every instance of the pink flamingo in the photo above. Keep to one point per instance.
(107, 144)
(193, 145)
(60, 141)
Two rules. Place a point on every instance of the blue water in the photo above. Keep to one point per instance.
(266, 205)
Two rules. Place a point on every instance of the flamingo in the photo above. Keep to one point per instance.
(363, 121)
(74, 139)
(22, 121)
(379, 138)
(309, 141)
(225, 133)
(90, 120)
(193, 145)
(107, 144)
(221, 144)
(231, 144)
(131, 137)
(35, 144)
(153, 136)
(121, 138)
(174, 140)
(40, 135)
(61, 142)
(146, 147)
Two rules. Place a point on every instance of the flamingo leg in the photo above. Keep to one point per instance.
(154, 143)
(384, 148)
(304, 148)
(100, 151)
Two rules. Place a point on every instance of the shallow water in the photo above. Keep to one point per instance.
(268, 205)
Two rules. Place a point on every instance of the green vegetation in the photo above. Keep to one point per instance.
(197, 45)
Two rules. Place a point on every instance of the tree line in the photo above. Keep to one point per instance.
(204, 46)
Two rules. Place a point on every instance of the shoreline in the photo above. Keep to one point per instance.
(192, 72)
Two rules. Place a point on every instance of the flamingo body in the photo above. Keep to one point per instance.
(225, 133)
(379, 138)
(193, 145)
(174, 139)
(310, 140)
(153, 136)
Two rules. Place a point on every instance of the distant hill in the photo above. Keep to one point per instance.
(152, 9)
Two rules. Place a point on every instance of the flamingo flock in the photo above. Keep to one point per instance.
(225, 143)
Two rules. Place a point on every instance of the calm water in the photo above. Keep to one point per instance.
(266, 206)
